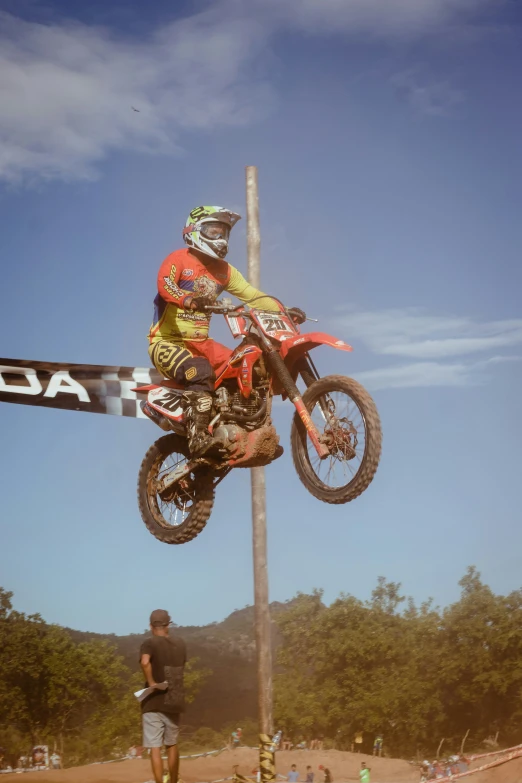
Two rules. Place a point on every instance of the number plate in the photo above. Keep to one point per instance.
(275, 323)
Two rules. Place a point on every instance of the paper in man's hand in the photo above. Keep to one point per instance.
(160, 686)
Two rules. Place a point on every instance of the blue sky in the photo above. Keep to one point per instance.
(387, 136)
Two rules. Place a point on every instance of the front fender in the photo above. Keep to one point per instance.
(296, 346)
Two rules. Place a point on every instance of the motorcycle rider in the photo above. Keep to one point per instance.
(189, 279)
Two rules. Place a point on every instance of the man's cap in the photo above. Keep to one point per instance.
(160, 617)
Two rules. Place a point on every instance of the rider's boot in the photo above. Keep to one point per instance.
(197, 419)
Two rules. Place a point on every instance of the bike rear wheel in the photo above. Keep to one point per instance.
(181, 513)
(346, 415)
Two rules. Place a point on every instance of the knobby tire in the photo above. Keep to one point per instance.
(201, 507)
(373, 434)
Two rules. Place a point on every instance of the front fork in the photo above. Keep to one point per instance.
(281, 370)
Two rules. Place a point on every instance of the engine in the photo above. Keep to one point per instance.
(249, 412)
(244, 431)
(248, 407)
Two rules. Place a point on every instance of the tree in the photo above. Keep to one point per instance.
(194, 679)
(78, 696)
(387, 666)
(482, 658)
(53, 687)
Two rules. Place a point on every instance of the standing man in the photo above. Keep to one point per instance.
(377, 745)
(162, 660)
(364, 774)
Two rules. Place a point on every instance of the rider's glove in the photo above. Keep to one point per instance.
(297, 315)
(200, 302)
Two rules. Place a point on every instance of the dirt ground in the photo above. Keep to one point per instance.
(343, 766)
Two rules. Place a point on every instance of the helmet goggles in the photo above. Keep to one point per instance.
(208, 228)
(215, 230)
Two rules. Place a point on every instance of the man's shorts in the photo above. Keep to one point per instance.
(192, 365)
(160, 729)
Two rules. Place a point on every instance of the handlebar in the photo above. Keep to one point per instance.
(220, 309)
(224, 309)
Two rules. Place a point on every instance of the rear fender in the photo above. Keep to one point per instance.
(165, 399)
(168, 402)
(145, 389)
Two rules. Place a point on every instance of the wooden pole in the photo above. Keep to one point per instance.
(261, 604)
(463, 742)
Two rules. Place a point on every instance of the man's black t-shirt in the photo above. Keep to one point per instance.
(167, 657)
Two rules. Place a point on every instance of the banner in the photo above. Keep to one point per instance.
(94, 388)
(494, 753)
(509, 757)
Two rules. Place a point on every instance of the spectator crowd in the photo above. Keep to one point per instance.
(293, 776)
(443, 768)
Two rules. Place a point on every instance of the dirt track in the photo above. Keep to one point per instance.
(343, 766)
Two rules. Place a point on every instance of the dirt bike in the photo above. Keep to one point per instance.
(335, 439)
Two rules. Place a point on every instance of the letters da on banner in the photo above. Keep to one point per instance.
(59, 381)
(93, 388)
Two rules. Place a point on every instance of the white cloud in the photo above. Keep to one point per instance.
(435, 340)
(397, 18)
(421, 374)
(412, 333)
(66, 90)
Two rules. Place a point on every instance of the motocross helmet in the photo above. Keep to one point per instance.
(208, 228)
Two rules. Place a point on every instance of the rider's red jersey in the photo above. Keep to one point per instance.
(183, 275)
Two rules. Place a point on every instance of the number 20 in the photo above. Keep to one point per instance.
(274, 325)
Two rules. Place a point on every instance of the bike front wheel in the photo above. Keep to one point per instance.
(347, 419)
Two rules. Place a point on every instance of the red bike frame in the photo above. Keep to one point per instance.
(282, 345)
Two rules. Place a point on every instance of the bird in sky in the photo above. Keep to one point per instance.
(133, 109)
